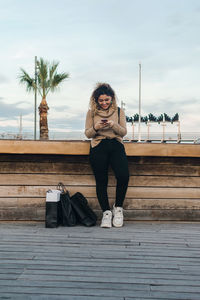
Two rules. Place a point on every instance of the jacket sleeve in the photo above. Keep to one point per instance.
(120, 128)
(90, 132)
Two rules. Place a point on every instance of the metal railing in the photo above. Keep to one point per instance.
(154, 137)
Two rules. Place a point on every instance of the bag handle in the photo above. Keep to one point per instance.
(61, 187)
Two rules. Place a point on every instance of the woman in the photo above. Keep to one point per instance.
(106, 126)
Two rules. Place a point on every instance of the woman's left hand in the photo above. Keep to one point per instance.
(110, 123)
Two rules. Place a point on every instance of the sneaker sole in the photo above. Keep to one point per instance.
(117, 225)
(105, 226)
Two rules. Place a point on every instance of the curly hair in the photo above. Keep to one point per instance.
(102, 89)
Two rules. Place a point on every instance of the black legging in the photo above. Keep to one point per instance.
(109, 152)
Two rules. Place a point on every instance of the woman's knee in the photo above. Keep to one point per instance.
(101, 179)
(123, 178)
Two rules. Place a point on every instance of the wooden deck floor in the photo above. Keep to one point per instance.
(142, 260)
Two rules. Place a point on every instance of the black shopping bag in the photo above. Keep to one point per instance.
(85, 215)
(68, 214)
(53, 209)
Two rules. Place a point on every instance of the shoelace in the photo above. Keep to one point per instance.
(118, 213)
(106, 217)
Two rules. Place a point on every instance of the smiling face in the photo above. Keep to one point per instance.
(104, 101)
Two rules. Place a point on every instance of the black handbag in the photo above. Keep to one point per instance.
(68, 217)
(85, 215)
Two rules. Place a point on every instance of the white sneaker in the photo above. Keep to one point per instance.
(118, 217)
(106, 221)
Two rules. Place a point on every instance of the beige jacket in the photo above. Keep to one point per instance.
(117, 131)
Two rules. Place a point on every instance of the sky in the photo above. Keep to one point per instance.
(101, 41)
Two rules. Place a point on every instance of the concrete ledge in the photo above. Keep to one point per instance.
(82, 148)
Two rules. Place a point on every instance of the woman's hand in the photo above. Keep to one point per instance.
(100, 125)
(110, 123)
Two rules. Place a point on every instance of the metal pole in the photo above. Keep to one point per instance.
(133, 136)
(148, 131)
(35, 114)
(20, 126)
(123, 104)
(179, 133)
(164, 124)
(139, 124)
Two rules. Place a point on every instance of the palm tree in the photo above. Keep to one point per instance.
(47, 80)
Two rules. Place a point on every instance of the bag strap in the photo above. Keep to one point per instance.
(118, 114)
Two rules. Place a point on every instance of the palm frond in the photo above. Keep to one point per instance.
(43, 76)
(47, 77)
(24, 78)
(52, 69)
(57, 79)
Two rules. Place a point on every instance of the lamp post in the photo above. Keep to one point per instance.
(35, 112)
(123, 104)
(163, 125)
(179, 132)
(148, 131)
(20, 126)
(133, 130)
(139, 122)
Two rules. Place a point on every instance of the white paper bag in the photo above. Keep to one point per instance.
(53, 196)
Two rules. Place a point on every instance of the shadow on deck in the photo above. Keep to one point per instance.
(142, 260)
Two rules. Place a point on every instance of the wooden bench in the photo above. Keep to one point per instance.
(164, 178)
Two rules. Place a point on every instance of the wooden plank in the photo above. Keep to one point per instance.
(49, 158)
(18, 202)
(176, 288)
(82, 148)
(170, 170)
(37, 296)
(138, 272)
(82, 180)
(50, 179)
(9, 202)
(179, 150)
(32, 167)
(38, 214)
(187, 204)
(77, 289)
(152, 160)
(164, 160)
(122, 283)
(24, 213)
(163, 215)
(44, 147)
(149, 244)
(120, 274)
(146, 204)
(129, 203)
(132, 192)
(79, 168)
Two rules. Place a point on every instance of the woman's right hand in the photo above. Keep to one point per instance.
(100, 125)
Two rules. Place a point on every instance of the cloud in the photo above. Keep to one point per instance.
(3, 79)
(8, 110)
(172, 106)
(60, 108)
(71, 121)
